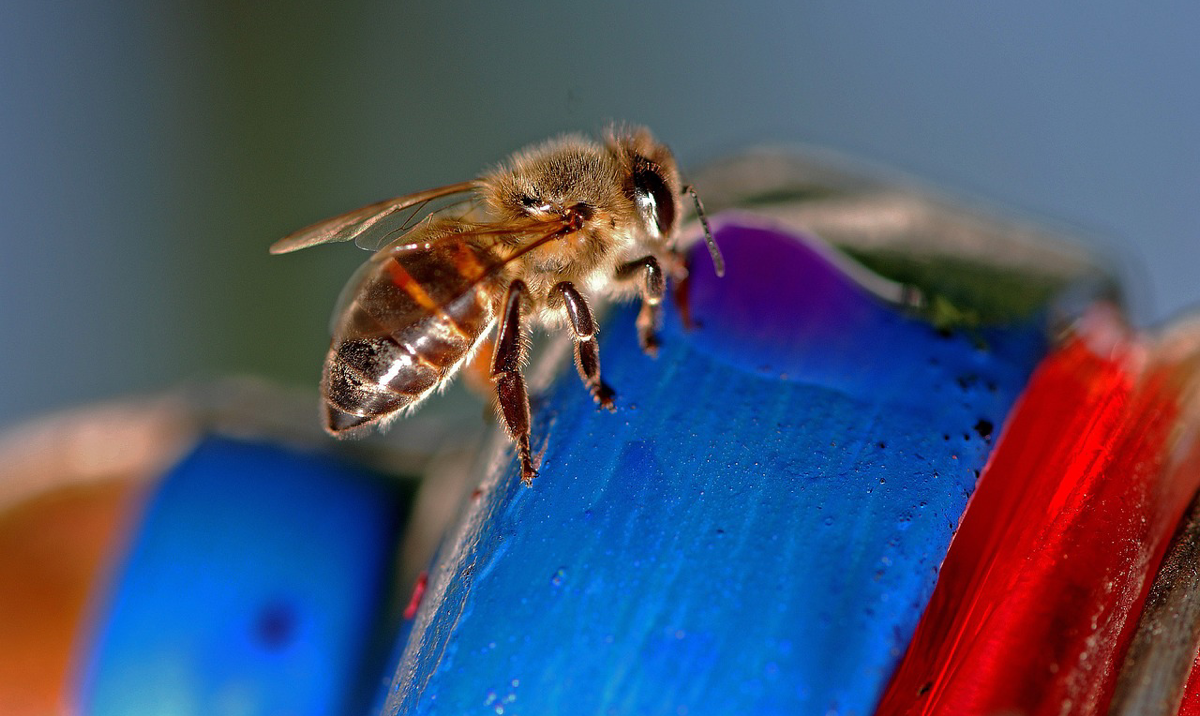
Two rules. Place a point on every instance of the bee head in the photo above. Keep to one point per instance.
(570, 174)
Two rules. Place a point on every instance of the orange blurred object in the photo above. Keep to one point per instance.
(69, 488)
(53, 548)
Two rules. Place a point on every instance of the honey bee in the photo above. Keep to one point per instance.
(532, 239)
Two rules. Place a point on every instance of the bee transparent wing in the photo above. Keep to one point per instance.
(526, 234)
(373, 225)
(401, 227)
(349, 294)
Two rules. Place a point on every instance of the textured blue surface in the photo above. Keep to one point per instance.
(755, 531)
(252, 587)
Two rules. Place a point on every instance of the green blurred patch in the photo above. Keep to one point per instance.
(959, 293)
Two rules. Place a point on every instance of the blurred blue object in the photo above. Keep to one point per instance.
(253, 586)
(755, 531)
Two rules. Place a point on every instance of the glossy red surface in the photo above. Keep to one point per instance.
(1191, 698)
(1043, 584)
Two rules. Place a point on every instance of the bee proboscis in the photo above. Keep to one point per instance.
(528, 241)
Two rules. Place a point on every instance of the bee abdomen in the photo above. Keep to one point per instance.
(371, 375)
(369, 378)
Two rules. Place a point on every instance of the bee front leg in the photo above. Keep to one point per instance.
(587, 354)
(653, 285)
(510, 384)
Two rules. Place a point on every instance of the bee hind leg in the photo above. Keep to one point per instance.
(649, 275)
(511, 393)
(587, 354)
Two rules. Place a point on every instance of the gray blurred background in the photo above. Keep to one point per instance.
(153, 149)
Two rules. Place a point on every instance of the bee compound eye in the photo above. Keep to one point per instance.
(654, 199)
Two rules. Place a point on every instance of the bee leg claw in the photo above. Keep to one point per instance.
(649, 343)
(605, 397)
(527, 473)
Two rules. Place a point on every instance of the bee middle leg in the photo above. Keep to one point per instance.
(510, 384)
(649, 274)
(587, 354)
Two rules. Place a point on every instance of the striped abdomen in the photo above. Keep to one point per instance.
(412, 318)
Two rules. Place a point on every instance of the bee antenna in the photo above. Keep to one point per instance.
(713, 250)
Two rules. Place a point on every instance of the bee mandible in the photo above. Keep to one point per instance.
(527, 242)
